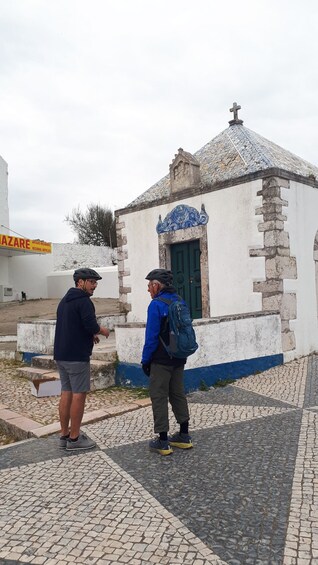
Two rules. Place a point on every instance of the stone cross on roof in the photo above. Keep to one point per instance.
(235, 109)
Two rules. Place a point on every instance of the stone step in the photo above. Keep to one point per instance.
(102, 374)
(107, 355)
(43, 362)
(35, 373)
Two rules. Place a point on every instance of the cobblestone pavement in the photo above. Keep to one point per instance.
(15, 391)
(247, 494)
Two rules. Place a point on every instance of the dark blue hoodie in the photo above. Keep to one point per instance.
(76, 326)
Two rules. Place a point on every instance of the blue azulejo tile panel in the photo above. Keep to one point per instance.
(130, 374)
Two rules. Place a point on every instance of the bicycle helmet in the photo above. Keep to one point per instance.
(86, 274)
(161, 275)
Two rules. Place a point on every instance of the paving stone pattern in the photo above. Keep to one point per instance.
(245, 495)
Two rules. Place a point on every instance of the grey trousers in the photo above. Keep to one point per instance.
(166, 383)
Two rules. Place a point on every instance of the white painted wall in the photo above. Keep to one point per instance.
(232, 232)
(37, 275)
(302, 225)
(59, 282)
(4, 271)
(67, 256)
(28, 273)
(220, 341)
(4, 206)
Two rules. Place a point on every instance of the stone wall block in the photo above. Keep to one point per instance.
(120, 265)
(121, 240)
(288, 341)
(276, 181)
(122, 254)
(283, 251)
(289, 306)
(261, 252)
(272, 301)
(120, 226)
(274, 217)
(269, 192)
(272, 225)
(268, 208)
(268, 286)
(124, 289)
(285, 325)
(276, 238)
(281, 267)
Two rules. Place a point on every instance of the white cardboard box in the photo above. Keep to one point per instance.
(49, 387)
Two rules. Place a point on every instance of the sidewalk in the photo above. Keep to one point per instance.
(245, 495)
(22, 414)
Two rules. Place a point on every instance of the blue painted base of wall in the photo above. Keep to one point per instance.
(27, 356)
(131, 375)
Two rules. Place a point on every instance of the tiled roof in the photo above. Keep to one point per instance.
(235, 152)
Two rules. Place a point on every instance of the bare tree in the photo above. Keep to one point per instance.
(96, 226)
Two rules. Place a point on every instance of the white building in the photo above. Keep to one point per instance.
(237, 222)
(44, 270)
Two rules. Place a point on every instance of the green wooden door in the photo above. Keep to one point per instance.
(185, 266)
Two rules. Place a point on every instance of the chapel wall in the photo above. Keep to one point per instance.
(302, 225)
(232, 229)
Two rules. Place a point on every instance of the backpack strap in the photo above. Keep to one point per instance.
(165, 300)
(168, 302)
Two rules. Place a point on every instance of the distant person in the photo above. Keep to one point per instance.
(23, 296)
(75, 334)
(165, 373)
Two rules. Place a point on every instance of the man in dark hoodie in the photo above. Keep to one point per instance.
(75, 334)
(165, 373)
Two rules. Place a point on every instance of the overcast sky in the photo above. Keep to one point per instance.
(97, 96)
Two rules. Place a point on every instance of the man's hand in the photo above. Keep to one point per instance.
(104, 331)
(146, 368)
(96, 339)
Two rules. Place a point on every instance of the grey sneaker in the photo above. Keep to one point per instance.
(62, 442)
(183, 441)
(83, 442)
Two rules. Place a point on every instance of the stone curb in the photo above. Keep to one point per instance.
(22, 427)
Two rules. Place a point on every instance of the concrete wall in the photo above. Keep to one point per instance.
(4, 206)
(231, 230)
(68, 256)
(229, 347)
(4, 271)
(28, 273)
(302, 225)
(59, 282)
(37, 275)
(38, 336)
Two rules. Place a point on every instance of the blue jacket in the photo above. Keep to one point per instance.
(76, 326)
(153, 350)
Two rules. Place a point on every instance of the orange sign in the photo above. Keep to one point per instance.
(20, 243)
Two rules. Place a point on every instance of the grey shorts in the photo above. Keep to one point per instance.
(74, 375)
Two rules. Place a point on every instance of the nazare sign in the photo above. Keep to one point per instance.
(23, 244)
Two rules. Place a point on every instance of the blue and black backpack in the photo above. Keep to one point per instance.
(182, 340)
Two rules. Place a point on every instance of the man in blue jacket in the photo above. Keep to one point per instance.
(165, 373)
(75, 334)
